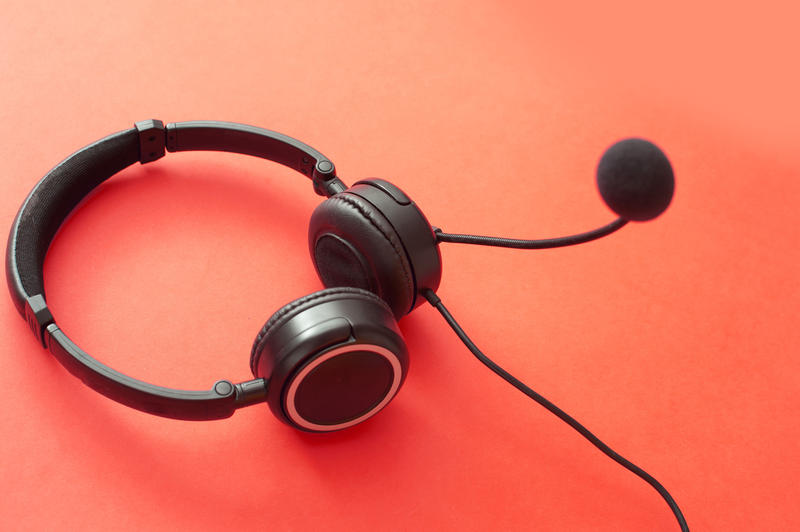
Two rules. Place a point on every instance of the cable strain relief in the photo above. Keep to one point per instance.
(431, 297)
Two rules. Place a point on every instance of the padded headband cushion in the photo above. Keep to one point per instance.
(297, 306)
(353, 244)
(51, 201)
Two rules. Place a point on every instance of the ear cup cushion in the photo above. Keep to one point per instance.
(290, 310)
(371, 239)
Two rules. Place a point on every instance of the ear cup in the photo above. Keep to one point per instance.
(353, 244)
(372, 236)
(332, 359)
(286, 312)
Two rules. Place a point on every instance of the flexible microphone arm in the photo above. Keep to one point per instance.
(634, 178)
(531, 244)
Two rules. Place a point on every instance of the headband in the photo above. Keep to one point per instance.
(63, 188)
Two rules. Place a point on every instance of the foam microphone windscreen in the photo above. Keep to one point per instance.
(635, 179)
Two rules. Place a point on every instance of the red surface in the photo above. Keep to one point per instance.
(676, 340)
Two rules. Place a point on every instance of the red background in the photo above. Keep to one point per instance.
(676, 341)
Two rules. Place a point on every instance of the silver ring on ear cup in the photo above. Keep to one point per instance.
(290, 402)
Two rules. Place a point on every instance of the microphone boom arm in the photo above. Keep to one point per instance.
(530, 244)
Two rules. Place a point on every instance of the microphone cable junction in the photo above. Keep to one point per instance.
(436, 302)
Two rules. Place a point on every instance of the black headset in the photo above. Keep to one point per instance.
(334, 358)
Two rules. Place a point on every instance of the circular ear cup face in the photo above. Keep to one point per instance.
(342, 387)
(333, 359)
(373, 237)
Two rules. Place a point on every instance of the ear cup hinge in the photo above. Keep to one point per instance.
(38, 317)
(251, 392)
(152, 140)
(325, 181)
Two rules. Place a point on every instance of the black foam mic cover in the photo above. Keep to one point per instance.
(635, 179)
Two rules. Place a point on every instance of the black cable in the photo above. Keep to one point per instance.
(434, 300)
(531, 244)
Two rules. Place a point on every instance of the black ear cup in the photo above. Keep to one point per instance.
(354, 245)
(372, 236)
(332, 358)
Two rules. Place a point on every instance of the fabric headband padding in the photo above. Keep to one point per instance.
(51, 201)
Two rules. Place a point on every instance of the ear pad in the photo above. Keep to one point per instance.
(372, 236)
(333, 359)
(286, 312)
(355, 245)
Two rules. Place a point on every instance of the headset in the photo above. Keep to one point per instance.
(334, 358)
